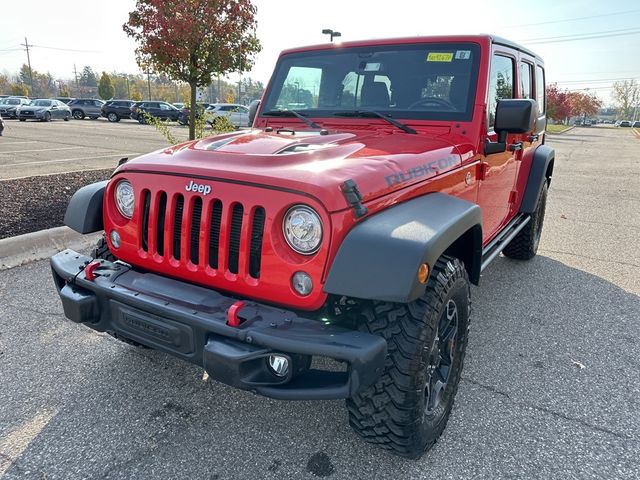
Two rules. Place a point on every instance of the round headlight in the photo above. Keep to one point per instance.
(303, 229)
(125, 199)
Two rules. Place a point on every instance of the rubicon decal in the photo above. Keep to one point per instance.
(198, 188)
(426, 170)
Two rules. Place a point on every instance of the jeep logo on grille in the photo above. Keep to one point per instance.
(198, 188)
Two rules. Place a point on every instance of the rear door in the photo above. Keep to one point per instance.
(495, 190)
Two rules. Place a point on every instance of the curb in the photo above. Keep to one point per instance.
(16, 251)
(560, 133)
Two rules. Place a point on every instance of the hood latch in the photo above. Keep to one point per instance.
(354, 198)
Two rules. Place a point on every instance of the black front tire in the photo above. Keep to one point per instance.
(78, 114)
(101, 251)
(525, 245)
(406, 410)
(113, 117)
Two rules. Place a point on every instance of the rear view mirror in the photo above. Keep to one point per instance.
(253, 109)
(512, 116)
(515, 116)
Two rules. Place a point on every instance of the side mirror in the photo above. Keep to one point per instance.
(253, 109)
(512, 116)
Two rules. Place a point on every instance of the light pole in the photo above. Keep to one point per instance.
(332, 34)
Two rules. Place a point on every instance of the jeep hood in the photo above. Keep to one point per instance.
(379, 162)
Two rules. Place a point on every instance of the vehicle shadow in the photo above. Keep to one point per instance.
(124, 412)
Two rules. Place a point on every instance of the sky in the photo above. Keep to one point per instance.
(586, 44)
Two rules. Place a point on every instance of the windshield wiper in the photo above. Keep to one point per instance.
(290, 113)
(372, 113)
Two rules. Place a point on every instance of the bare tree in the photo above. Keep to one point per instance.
(627, 97)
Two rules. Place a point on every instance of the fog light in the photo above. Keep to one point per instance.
(114, 236)
(302, 283)
(279, 365)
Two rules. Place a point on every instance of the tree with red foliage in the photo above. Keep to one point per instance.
(558, 106)
(191, 40)
(584, 104)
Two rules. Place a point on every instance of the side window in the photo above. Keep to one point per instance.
(526, 79)
(501, 83)
(164, 106)
(540, 89)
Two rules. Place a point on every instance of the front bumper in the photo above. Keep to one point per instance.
(190, 322)
(39, 115)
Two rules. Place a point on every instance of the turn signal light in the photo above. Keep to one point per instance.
(423, 273)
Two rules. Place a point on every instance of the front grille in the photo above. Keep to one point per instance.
(227, 229)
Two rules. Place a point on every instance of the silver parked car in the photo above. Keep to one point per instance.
(237, 114)
(43, 109)
(86, 107)
(9, 105)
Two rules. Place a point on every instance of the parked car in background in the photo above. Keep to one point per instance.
(86, 107)
(624, 123)
(185, 112)
(636, 124)
(161, 110)
(44, 109)
(587, 123)
(237, 114)
(114, 110)
(8, 106)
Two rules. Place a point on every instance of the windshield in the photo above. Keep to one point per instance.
(10, 101)
(41, 103)
(432, 81)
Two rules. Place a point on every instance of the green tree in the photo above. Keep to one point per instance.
(194, 40)
(19, 89)
(88, 77)
(105, 88)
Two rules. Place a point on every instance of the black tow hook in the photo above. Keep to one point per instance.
(354, 198)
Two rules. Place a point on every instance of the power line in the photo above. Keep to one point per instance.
(573, 19)
(593, 81)
(583, 36)
(66, 49)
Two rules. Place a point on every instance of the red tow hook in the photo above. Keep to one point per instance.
(232, 314)
(90, 270)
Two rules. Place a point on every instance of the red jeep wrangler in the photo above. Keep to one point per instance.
(328, 252)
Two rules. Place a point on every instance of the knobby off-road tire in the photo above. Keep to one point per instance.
(101, 251)
(525, 245)
(407, 409)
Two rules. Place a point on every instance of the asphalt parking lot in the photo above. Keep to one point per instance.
(550, 389)
(36, 148)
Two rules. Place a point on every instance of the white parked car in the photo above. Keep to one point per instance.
(237, 114)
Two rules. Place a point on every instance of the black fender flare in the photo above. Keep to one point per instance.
(539, 173)
(379, 258)
(84, 212)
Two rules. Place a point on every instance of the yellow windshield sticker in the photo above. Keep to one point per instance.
(439, 57)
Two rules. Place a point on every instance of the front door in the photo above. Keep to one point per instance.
(500, 171)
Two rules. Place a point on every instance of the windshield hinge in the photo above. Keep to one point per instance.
(354, 198)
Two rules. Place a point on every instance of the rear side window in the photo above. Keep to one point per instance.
(501, 84)
(526, 80)
(540, 88)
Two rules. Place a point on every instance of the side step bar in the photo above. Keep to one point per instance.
(493, 249)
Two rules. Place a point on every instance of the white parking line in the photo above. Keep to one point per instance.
(41, 150)
(18, 143)
(72, 159)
